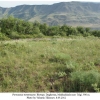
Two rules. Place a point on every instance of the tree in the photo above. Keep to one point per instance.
(54, 30)
(87, 30)
(8, 25)
(96, 33)
(43, 28)
(36, 30)
(36, 23)
(19, 27)
(72, 31)
(80, 30)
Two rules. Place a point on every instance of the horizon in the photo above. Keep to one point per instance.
(13, 3)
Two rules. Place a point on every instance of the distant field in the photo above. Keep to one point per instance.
(52, 64)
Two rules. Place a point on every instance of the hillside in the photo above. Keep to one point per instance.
(70, 13)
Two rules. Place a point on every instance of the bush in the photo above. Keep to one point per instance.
(14, 35)
(62, 33)
(60, 58)
(39, 35)
(71, 67)
(96, 33)
(3, 37)
(83, 81)
(97, 62)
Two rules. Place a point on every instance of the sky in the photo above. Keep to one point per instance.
(13, 3)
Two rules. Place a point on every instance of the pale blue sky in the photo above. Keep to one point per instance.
(13, 3)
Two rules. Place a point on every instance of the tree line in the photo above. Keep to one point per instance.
(14, 28)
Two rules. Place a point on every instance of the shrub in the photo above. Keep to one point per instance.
(96, 33)
(71, 66)
(3, 37)
(14, 35)
(60, 58)
(83, 81)
(39, 35)
(97, 62)
(62, 33)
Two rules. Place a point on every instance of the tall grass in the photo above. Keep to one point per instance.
(56, 65)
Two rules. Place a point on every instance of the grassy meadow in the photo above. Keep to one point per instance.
(50, 65)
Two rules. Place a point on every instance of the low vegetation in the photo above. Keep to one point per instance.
(50, 65)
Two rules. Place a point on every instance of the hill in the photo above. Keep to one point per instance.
(70, 13)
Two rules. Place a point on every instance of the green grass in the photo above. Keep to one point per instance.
(50, 65)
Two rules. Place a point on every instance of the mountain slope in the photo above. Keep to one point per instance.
(71, 13)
